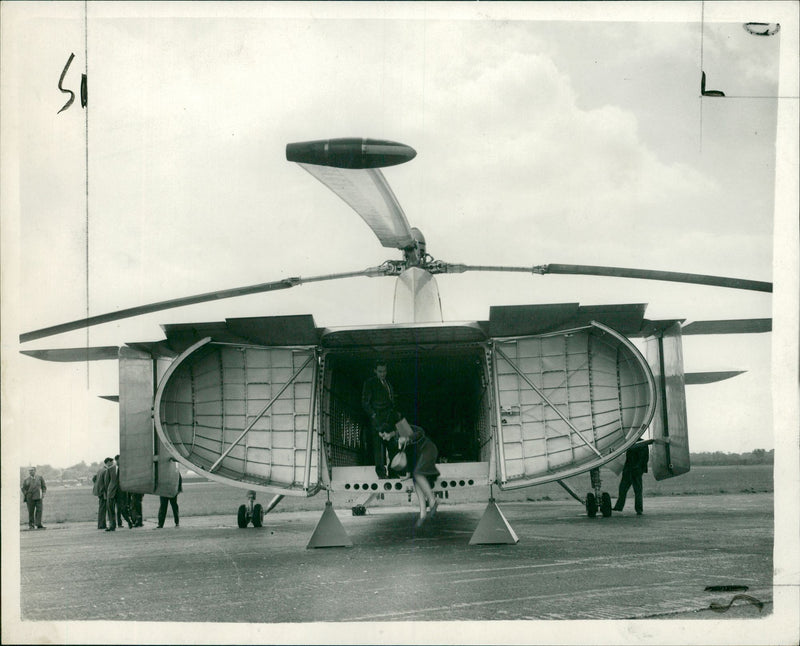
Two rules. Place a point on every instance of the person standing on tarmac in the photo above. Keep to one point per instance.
(636, 459)
(99, 490)
(33, 490)
(135, 506)
(123, 511)
(111, 481)
(173, 502)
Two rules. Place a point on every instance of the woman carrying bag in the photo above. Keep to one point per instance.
(419, 453)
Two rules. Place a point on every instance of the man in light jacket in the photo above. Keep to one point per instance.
(33, 490)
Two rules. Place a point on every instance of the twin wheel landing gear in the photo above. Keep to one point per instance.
(254, 513)
(604, 506)
(592, 498)
(250, 513)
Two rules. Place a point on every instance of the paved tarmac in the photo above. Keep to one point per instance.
(565, 566)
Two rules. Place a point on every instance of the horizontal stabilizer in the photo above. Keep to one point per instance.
(99, 353)
(697, 378)
(111, 398)
(733, 326)
(154, 348)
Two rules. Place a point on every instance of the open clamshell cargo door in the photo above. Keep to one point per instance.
(568, 402)
(243, 415)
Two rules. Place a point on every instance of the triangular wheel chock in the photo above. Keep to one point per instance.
(329, 531)
(493, 528)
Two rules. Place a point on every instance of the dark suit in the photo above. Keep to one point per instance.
(173, 502)
(122, 506)
(636, 460)
(135, 507)
(377, 399)
(111, 481)
(99, 490)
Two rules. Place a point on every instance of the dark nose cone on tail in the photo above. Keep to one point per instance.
(351, 152)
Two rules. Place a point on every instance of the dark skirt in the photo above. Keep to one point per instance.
(422, 454)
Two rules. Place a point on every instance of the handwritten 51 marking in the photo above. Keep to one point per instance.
(84, 91)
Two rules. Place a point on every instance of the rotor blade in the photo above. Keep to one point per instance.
(697, 378)
(368, 194)
(189, 300)
(733, 326)
(99, 353)
(349, 167)
(648, 274)
(622, 272)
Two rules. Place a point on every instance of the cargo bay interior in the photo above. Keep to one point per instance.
(443, 390)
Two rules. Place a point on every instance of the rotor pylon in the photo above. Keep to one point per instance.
(416, 297)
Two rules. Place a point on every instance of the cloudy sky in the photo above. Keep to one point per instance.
(540, 139)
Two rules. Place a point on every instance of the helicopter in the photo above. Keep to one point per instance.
(533, 394)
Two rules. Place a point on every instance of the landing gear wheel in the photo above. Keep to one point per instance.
(258, 515)
(605, 504)
(241, 517)
(591, 505)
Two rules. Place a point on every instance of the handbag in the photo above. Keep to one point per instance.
(399, 461)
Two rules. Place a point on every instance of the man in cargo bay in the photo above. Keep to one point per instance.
(377, 399)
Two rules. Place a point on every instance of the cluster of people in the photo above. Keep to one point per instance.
(113, 504)
(116, 505)
(399, 449)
